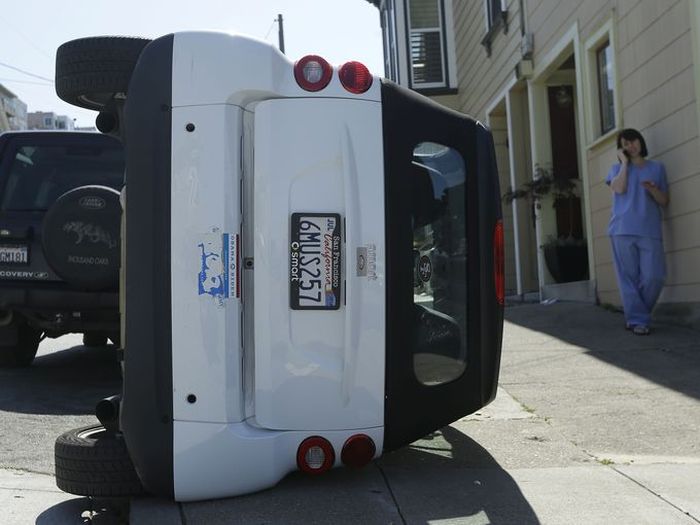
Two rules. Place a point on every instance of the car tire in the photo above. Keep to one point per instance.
(94, 339)
(80, 237)
(93, 462)
(91, 72)
(21, 353)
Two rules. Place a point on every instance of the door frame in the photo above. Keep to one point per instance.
(541, 141)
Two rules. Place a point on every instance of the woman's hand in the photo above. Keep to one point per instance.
(659, 196)
(622, 156)
(619, 182)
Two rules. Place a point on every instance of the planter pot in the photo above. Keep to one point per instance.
(567, 263)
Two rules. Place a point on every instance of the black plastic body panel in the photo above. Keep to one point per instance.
(413, 409)
(146, 412)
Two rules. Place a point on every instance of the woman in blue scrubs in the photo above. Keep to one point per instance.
(640, 191)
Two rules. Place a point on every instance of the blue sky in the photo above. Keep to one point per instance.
(338, 30)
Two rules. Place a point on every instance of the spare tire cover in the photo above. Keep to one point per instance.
(80, 237)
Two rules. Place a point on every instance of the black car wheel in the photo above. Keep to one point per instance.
(22, 342)
(93, 462)
(80, 237)
(91, 72)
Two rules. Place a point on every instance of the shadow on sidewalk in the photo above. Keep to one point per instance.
(445, 476)
(670, 356)
(448, 476)
(86, 510)
(67, 382)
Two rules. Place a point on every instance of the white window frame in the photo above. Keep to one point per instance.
(447, 47)
(390, 39)
(595, 135)
(606, 120)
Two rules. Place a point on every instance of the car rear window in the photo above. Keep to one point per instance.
(439, 262)
(38, 175)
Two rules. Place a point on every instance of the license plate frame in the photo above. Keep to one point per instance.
(9, 253)
(315, 261)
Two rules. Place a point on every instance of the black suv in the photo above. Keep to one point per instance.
(59, 239)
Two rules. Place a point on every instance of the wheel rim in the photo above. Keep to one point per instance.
(90, 433)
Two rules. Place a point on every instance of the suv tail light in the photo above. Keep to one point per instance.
(355, 77)
(315, 455)
(358, 450)
(312, 73)
(499, 263)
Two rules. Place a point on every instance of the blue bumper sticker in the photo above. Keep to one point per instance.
(218, 274)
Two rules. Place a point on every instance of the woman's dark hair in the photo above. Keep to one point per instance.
(631, 134)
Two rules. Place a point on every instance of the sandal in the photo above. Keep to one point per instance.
(640, 329)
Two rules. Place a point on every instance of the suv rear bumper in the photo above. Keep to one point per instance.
(57, 300)
(61, 311)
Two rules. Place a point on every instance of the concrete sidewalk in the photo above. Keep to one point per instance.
(591, 424)
(30, 497)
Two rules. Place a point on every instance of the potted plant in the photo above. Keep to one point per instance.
(566, 255)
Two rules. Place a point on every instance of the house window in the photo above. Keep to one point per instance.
(493, 12)
(48, 122)
(427, 43)
(601, 102)
(496, 17)
(606, 87)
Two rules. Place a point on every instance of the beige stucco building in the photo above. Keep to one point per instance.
(556, 80)
(13, 112)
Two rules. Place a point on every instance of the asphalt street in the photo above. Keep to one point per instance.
(591, 425)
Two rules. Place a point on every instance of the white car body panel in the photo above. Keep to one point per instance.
(206, 341)
(215, 461)
(253, 366)
(334, 357)
(252, 71)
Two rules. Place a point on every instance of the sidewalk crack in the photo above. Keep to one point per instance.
(181, 510)
(679, 509)
(391, 493)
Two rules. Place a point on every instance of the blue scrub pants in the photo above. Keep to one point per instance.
(641, 269)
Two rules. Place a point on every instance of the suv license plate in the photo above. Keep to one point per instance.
(14, 255)
(315, 261)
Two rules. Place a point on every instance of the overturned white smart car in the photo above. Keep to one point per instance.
(314, 266)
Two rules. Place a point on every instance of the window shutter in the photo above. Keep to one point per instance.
(427, 53)
(426, 57)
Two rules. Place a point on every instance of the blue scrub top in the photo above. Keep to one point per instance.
(635, 212)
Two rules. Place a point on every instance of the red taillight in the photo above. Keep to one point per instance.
(358, 450)
(499, 263)
(355, 77)
(312, 73)
(315, 455)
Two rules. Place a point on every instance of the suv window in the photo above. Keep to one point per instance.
(439, 253)
(40, 174)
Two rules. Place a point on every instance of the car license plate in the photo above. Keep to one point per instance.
(315, 261)
(14, 255)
